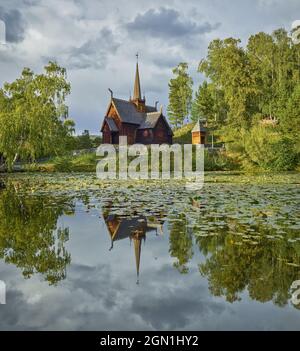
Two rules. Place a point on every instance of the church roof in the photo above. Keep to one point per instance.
(128, 112)
(150, 120)
(111, 124)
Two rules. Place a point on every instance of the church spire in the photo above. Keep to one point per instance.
(137, 250)
(137, 85)
(137, 99)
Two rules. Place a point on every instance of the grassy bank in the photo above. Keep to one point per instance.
(80, 163)
(218, 161)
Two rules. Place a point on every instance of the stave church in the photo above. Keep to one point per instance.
(135, 119)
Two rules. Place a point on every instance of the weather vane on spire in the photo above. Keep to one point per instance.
(137, 56)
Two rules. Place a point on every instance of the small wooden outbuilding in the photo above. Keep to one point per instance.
(199, 134)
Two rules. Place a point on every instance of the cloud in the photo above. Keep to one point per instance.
(91, 54)
(15, 25)
(167, 23)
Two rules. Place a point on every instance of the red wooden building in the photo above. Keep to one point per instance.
(139, 122)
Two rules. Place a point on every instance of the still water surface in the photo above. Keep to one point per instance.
(150, 258)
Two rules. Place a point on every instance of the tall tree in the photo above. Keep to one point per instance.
(209, 103)
(261, 54)
(227, 66)
(203, 104)
(290, 121)
(180, 95)
(32, 114)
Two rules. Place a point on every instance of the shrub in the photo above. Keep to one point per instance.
(286, 157)
(269, 150)
(219, 161)
(184, 134)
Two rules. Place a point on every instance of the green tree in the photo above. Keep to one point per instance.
(227, 66)
(84, 140)
(96, 142)
(261, 53)
(32, 114)
(290, 121)
(203, 104)
(70, 139)
(180, 95)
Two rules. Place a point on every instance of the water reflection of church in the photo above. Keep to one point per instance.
(133, 228)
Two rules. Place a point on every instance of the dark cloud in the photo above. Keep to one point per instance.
(93, 53)
(167, 23)
(15, 25)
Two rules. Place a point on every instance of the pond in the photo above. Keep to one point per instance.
(77, 253)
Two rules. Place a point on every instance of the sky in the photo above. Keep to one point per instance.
(97, 40)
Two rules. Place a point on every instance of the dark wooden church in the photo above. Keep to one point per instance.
(139, 122)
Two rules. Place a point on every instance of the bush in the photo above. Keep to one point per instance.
(286, 157)
(184, 134)
(80, 163)
(269, 150)
(62, 164)
(219, 161)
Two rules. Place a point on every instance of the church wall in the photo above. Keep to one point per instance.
(198, 138)
(130, 131)
(106, 134)
(144, 136)
(161, 133)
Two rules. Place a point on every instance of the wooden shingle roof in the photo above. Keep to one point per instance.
(111, 124)
(198, 127)
(128, 112)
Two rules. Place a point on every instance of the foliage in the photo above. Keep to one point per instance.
(268, 149)
(33, 115)
(183, 135)
(180, 95)
(251, 86)
(209, 104)
(228, 68)
(85, 162)
(219, 161)
(84, 141)
(286, 158)
(290, 121)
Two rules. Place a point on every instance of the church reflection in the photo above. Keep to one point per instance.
(135, 229)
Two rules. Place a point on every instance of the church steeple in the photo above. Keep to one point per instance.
(137, 96)
(137, 84)
(137, 236)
